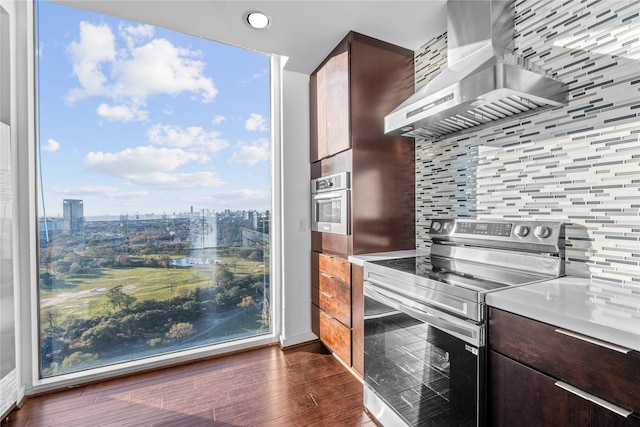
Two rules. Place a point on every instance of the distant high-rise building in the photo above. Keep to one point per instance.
(73, 215)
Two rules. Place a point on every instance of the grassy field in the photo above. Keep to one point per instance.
(84, 295)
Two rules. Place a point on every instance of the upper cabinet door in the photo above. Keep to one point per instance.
(329, 92)
(337, 101)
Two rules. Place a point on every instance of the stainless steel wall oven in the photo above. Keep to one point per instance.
(330, 204)
(425, 317)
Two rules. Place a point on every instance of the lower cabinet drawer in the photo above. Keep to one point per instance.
(335, 336)
(335, 308)
(335, 288)
(335, 267)
(588, 365)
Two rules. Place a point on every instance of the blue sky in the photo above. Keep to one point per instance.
(138, 119)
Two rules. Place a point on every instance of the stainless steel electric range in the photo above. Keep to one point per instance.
(425, 317)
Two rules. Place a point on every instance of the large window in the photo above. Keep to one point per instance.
(154, 191)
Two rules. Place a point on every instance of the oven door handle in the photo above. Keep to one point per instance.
(325, 196)
(469, 333)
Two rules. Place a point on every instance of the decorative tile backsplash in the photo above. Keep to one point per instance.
(579, 164)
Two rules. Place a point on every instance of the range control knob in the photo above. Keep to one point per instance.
(447, 226)
(542, 232)
(521, 230)
(436, 226)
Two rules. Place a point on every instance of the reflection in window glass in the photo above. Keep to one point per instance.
(154, 191)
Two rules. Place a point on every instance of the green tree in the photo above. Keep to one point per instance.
(247, 302)
(104, 335)
(123, 260)
(155, 342)
(50, 316)
(228, 297)
(224, 276)
(75, 268)
(180, 331)
(120, 299)
(79, 360)
(165, 261)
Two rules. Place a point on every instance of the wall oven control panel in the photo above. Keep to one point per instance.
(338, 181)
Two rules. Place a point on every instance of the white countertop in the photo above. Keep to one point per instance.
(379, 256)
(605, 311)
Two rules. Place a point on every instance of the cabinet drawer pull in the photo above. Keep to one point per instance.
(591, 398)
(326, 315)
(327, 295)
(595, 341)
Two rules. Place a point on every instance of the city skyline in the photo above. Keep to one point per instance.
(135, 118)
(192, 210)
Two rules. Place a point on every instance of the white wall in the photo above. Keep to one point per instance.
(296, 298)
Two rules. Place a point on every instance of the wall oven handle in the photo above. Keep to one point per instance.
(591, 398)
(469, 333)
(324, 196)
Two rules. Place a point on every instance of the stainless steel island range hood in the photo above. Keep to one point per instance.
(484, 80)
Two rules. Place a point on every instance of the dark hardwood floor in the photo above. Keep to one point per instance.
(303, 386)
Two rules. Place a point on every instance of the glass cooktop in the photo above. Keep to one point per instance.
(472, 276)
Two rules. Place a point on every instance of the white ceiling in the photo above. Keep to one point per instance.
(305, 31)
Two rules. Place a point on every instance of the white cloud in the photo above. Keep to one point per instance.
(138, 160)
(244, 194)
(159, 67)
(255, 123)
(52, 145)
(133, 67)
(177, 181)
(192, 137)
(152, 167)
(218, 120)
(251, 153)
(135, 34)
(121, 113)
(97, 190)
(257, 76)
(96, 46)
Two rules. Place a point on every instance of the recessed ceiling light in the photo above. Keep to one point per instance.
(257, 19)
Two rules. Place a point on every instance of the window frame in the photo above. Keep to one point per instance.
(29, 352)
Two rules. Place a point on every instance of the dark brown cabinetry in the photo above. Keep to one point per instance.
(331, 298)
(361, 81)
(329, 90)
(539, 375)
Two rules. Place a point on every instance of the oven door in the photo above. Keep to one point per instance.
(330, 212)
(419, 366)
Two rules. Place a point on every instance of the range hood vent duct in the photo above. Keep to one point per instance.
(484, 80)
